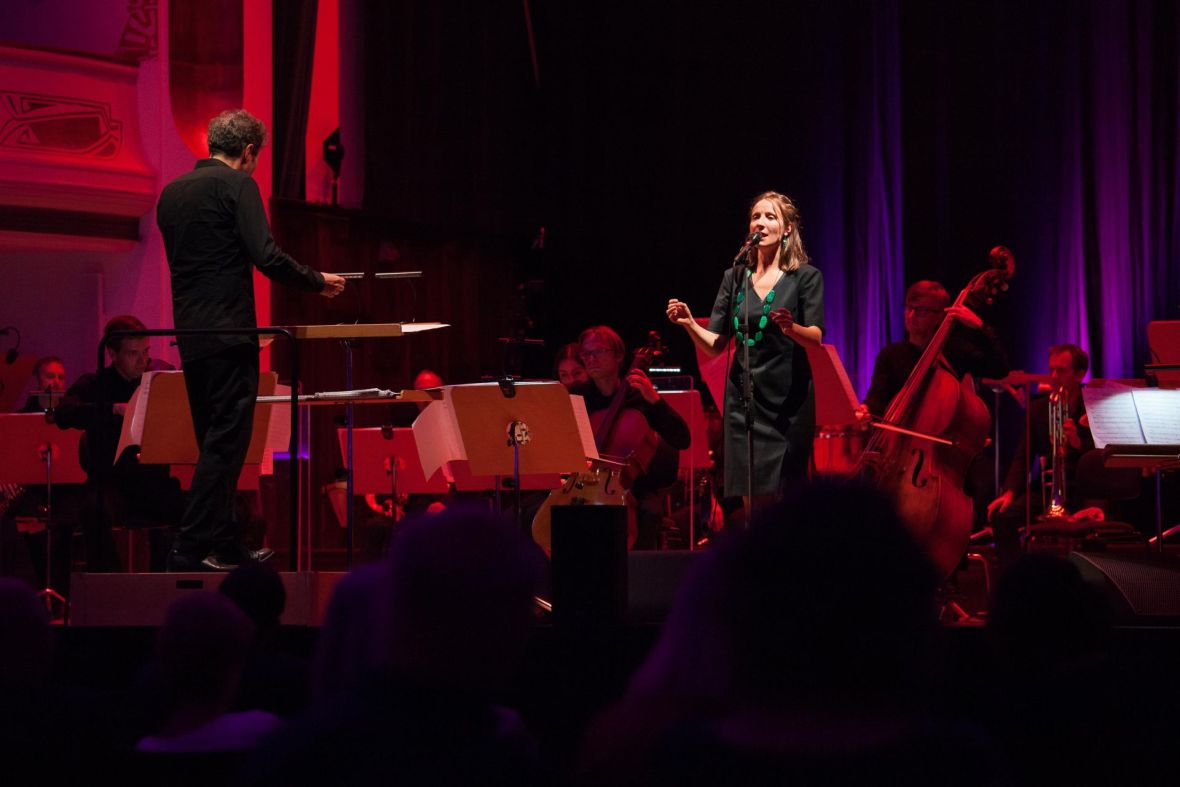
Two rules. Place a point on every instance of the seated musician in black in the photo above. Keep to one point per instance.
(601, 350)
(28, 507)
(117, 492)
(1068, 365)
(49, 383)
(971, 348)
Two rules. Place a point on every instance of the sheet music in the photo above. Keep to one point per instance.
(418, 327)
(1112, 414)
(436, 432)
(585, 430)
(1159, 415)
(136, 414)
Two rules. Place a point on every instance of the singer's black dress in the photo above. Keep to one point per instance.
(784, 402)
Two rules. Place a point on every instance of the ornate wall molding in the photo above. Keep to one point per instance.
(69, 141)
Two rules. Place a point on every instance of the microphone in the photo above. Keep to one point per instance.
(752, 240)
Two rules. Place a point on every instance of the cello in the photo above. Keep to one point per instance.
(933, 429)
(626, 445)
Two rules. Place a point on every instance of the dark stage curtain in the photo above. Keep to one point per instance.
(640, 146)
(294, 51)
(914, 137)
(1050, 127)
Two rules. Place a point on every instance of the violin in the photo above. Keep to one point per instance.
(945, 426)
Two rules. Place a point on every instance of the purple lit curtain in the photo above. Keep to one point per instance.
(863, 261)
(914, 137)
(1117, 246)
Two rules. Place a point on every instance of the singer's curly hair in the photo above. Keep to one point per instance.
(791, 253)
(232, 130)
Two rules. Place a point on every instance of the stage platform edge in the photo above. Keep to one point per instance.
(142, 599)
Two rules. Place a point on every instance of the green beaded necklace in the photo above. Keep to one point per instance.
(762, 321)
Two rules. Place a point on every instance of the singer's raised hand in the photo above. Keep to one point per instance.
(679, 313)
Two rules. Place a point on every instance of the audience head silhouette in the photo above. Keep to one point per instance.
(458, 604)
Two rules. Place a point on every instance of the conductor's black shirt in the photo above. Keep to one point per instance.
(215, 231)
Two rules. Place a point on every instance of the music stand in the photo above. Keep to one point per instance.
(387, 463)
(687, 405)
(466, 481)
(504, 428)
(1163, 339)
(347, 334)
(159, 421)
(35, 452)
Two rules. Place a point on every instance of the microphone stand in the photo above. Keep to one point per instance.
(747, 392)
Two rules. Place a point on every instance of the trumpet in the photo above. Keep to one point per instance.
(1058, 412)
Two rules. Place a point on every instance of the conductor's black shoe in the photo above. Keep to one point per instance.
(180, 562)
(214, 563)
(223, 562)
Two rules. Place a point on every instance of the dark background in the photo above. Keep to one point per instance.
(914, 136)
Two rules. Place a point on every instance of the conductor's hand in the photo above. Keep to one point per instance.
(640, 382)
(1000, 504)
(783, 319)
(679, 313)
(333, 285)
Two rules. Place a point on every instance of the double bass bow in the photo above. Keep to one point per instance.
(934, 427)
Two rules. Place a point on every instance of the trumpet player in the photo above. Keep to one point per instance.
(1068, 365)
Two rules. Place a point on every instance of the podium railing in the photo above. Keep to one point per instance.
(292, 446)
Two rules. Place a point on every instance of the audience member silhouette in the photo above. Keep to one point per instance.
(200, 655)
(345, 657)
(452, 613)
(804, 650)
(275, 679)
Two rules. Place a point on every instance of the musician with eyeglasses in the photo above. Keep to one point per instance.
(602, 352)
(971, 347)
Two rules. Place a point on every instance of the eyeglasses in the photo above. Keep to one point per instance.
(590, 355)
(922, 311)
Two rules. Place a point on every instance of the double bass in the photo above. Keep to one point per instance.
(934, 427)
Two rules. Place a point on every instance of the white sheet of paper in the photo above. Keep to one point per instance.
(419, 327)
(135, 415)
(436, 432)
(1113, 415)
(1159, 415)
(585, 430)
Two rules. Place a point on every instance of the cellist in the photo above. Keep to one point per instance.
(601, 350)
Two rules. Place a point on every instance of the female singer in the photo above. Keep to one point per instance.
(788, 292)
